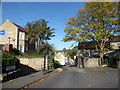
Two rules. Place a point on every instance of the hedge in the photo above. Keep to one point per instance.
(9, 59)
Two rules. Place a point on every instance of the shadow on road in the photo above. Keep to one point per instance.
(23, 71)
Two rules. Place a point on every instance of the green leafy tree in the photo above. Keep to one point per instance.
(39, 31)
(97, 22)
(47, 51)
(51, 55)
(72, 53)
(65, 51)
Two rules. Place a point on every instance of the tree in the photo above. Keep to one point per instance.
(39, 31)
(97, 22)
(46, 51)
(51, 55)
(72, 53)
(64, 50)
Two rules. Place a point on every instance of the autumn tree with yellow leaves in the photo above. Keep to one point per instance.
(97, 22)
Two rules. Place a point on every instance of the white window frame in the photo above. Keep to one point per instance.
(22, 49)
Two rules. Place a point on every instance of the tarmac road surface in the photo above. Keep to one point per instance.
(72, 77)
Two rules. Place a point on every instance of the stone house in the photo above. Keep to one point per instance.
(91, 55)
(15, 35)
(59, 56)
(63, 59)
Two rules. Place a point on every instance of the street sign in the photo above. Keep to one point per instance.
(2, 32)
(9, 68)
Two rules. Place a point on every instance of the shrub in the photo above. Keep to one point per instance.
(8, 59)
(29, 54)
(57, 64)
(118, 58)
(15, 51)
(106, 61)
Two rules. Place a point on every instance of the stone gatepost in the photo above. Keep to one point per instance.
(80, 57)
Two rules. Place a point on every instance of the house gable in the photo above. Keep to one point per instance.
(6, 24)
(10, 30)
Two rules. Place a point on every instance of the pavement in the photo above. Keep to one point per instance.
(25, 80)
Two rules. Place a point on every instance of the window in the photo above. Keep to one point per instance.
(22, 36)
(21, 48)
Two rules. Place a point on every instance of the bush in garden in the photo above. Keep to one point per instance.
(15, 51)
(29, 54)
(118, 58)
(8, 59)
(57, 64)
(106, 61)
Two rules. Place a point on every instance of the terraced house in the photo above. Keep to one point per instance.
(15, 35)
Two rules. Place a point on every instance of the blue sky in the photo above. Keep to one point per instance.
(55, 13)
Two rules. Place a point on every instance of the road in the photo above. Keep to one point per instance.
(72, 77)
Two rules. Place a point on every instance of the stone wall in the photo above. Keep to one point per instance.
(35, 63)
(118, 64)
(10, 29)
(91, 62)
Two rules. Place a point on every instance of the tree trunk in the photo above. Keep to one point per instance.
(48, 64)
(101, 58)
(44, 62)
